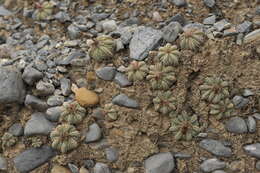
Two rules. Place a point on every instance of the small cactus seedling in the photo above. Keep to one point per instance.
(65, 137)
(191, 39)
(161, 77)
(185, 127)
(137, 70)
(214, 89)
(169, 55)
(73, 113)
(222, 109)
(164, 102)
(44, 10)
(102, 48)
(8, 140)
(35, 141)
(111, 112)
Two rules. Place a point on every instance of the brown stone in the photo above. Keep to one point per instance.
(86, 98)
(59, 169)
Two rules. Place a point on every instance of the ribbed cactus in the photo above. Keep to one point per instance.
(137, 70)
(224, 108)
(169, 55)
(164, 102)
(191, 38)
(44, 10)
(8, 140)
(110, 111)
(72, 113)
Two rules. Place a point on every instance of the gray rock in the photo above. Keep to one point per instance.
(40, 65)
(55, 100)
(162, 162)
(106, 73)
(38, 125)
(44, 88)
(125, 34)
(253, 150)
(177, 18)
(221, 25)
(65, 86)
(215, 147)
(240, 101)
(251, 124)
(144, 40)
(93, 134)
(88, 163)
(171, 31)
(122, 80)
(68, 59)
(247, 93)
(209, 3)
(73, 31)
(109, 26)
(219, 171)
(33, 158)
(257, 165)
(12, 89)
(4, 11)
(73, 168)
(53, 114)
(252, 36)
(98, 114)
(111, 154)
(210, 20)
(16, 129)
(35, 103)
(31, 75)
(62, 16)
(119, 45)
(244, 27)
(3, 164)
(181, 155)
(179, 3)
(212, 165)
(101, 168)
(236, 125)
(99, 16)
(256, 116)
(124, 100)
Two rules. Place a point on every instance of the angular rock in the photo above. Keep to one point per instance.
(178, 18)
(111, 154)
(65, 86)
(106, 73)
(38, 125)
(212, 165)
(244, 27)
(251, 124)
(73, 31)
(144, 40)
(73, 168)
(55, 100)
(53, 114)
(31, 75)
(3, 164)
(125, 34)
(109, 26)
(253, 150)
(122, 80)
(256, 116)
(179, 3)
(44, 88)
(72, 56)
(221, 25)
(101, 168)
(240, 101)
(257, 165)
(124, 100)
(215, 147)
(4, 11)
(62, 16)
(219, 171)
(209, 20)
(252, 36)
(209, 3)
(35, 103)
(171, 31)
(16, 129)
(236, 125)
(247, 93)
(162, 162)
(93, 134)
(33, 158)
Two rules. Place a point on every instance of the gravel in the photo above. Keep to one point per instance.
(109, 26)
(4, 11)
(212, 165)
(244, 27)
(215, 147)
(236, 125)
(124, 100)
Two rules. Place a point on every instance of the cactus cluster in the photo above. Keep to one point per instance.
(164, 102)
(102, 48)
(191, 38)
(110, 111)
(72, 113)
(161, 77)
(44, 10)
(8, 140)
(185, 127)
(65, 137)
(137, 70)
(222, 109)
(169, 55)
(35, 141)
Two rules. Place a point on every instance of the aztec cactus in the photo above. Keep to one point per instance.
(110, 111)
(169, 55)
(222, 109)
(164, 102)
(191, 38)
(65, 137)
(8, 140)
(137, 70)
(73, 113)
(44, 10)
(161, 77)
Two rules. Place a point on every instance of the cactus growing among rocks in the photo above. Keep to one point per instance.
(191, 38)
(44, 10)
(169, 55)
(137, 70)
(8, 140)
(222, 109)
(164, 102)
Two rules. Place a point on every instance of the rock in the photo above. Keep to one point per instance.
(73, 168)
(83, 170)
(89, 163)
(253, 150)
(157, 17)
(73, 31)
(53, 114)
(55, 100)
(240, 101)
(3, 164)
(98, 114)
(122, 80)
(31, 75)
(124, 100)
(144, 40)
(236, 125)
(4, 11)
(125, 34)
(221, 25)
(111, 154)
(162, 162)
(177, 18)
(215, 147)
(181, 155)
(44, 88)
(252, 36)
(244, 27)
(109, 26)
(72, 56)
(99, 145)
(86, 98)
(209, 3)
(212, 165)
(99, 16)
(171, 31)
(59, 169)
(179, 3)
(219, 171)
(16, 129)
(209, 20)
(230, 32)
(106, 73)
(65, 86)
(38, 125)
(12, 89)
(256, 116)
(247, 93)
(35, 103)
(251, 124)
(32, 158)
(119, 45)
(62, 16)
(93, 134)
(101, 168)
(257, 165)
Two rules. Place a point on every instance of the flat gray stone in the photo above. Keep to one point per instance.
(3, 164)
(101, 168)
(219, 171)
(65, 85)
(124, 100)
(209, 3)
(210, 20)
(179, 3)
(212, 165)
(109, 26)
(253, 150)
(247, 93)
(72, 56)
(111, 154)
(38, 125)
(35, 103)
(73, 168)
(256, 116)
(16, 129)
(251, 124)
(106, 73)
(93, 134)
(55, 100)
(160, 163)
(244, 27)
(73, 31)
(44, 88)
(236, 125)
(221, 25)
(32, 158)
(172, 31)
(240, 101)
(4, 11)
(122, 80)
(215, 147)
(31, 75)
(252, 36)
(53, 113)
(125, 34)
(144, 40)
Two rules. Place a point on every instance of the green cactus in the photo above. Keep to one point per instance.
(35, 141)
(214, 89)
(65, 137)
(72, 113)
(185, 127)
(44, 10)
(137, 70)
(191, 38)
(164, 102)
(169, 55)
(111, 112)
(222, 109)
(161, 77)
(8, 140)
(102, 48)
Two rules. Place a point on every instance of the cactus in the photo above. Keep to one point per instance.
(110, 111)
(8, 140)
(164, 102)
(185, 127)
(137, 70)
(222, 109)
(102, 48)
(44, 10)
(214, 89)
(191, 38)
(169, 55)
(35, 141)
(161, 77)
(65, 137)
(73, 113)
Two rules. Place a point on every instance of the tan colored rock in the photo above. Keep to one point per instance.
(59, 169)
(86, 97)
(83, 170)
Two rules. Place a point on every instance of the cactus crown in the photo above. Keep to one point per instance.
(137, 70)
(169, 55)
(191, 38)
(73, 113)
